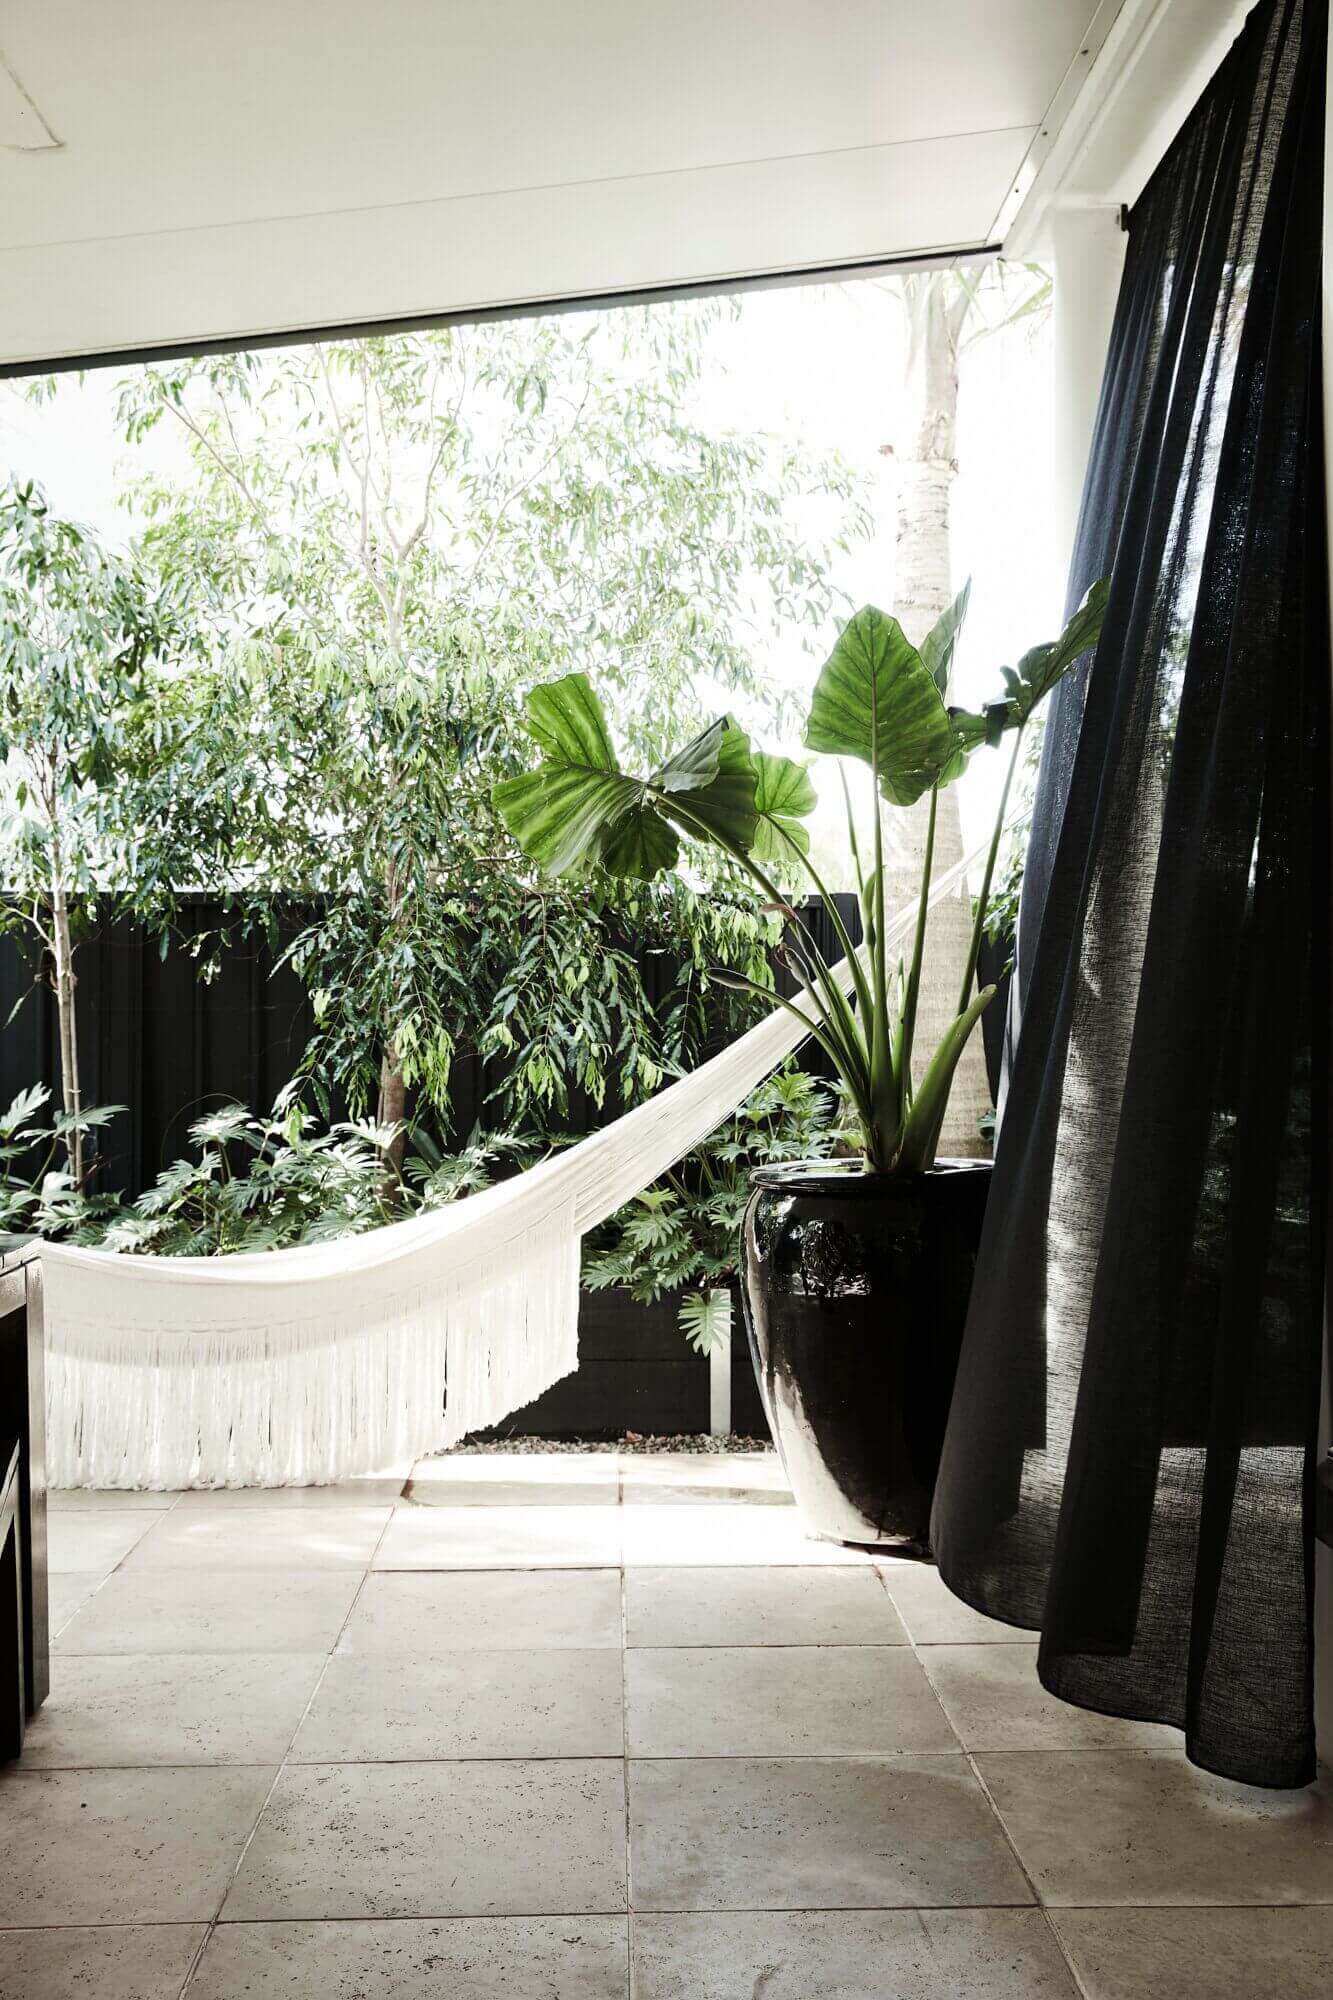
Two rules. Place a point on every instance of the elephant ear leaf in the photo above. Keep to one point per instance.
(708, 788)
(1039, 670)
(579, 806)
(639, 844)
(567, 722)
(1029, 683)
(783, 795)
(578, 803)
(876, 699)
(940, 643)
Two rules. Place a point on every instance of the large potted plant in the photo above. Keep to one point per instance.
(857, 1271)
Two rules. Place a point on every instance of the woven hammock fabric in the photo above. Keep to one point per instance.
(302, 1366)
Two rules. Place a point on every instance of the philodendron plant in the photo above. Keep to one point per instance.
(879, 699)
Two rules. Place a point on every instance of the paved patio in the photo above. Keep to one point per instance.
(581, 1727)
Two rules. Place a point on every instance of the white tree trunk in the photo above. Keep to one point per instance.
(927, 465)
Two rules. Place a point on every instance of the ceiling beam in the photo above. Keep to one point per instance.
(1154, 61)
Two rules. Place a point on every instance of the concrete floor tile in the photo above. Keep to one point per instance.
(935, 1617)
(517, 1479)
(441, 1611)
(88, 1539)
(122, 1847)
(815, 1833)
(416, 1840)
(1140, 1827)
(213, 1611)
(260, 1538)
(705, 1536)
(370, 1490)
(851, 1955)
(501, 1538)
(510, 1493)
(170, 1708)
(994, 1700)
(782, 1701)
(106, 1962)
(549, 1702)
(461, 1958)
(66, 1592)
(764, 1606)
(686, 1478)
(1200, 1954)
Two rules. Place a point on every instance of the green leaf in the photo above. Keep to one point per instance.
(875, 699)
(705, 1319)
(708, 788)
(1027, 684)
(1042, 666)
(562, 813)
(23, 1107)
(579, 805)
(939, 644)
(921, 1135)
(566, 720)
(783, 795)
(638, 845)
(697, 764)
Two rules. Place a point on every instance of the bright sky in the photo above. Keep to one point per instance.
(822, 365)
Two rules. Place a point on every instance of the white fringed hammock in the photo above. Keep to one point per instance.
(298, 1367)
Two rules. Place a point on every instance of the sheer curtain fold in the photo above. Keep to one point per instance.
(1129, 1461)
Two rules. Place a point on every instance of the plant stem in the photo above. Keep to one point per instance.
(833, 1005)
(907, 1028)
(852, 842)
(983, 900)
(840, 930)
(882, 1133)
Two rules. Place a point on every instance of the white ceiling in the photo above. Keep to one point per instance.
(267, 165)
(1152, 64)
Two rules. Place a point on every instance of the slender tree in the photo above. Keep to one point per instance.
(946, 311)
(77, 628)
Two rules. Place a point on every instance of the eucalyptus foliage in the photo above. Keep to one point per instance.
(387, 539)
(878, 699)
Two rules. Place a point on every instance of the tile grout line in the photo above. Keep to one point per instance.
(978, 1779)
(720, 1910)
(1046, 1916)
(283, 1762)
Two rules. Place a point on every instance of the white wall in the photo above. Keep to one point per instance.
(1089, 257)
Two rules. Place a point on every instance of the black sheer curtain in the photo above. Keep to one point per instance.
(1129, 1464)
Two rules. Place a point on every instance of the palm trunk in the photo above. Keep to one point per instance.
(923, 590)
(69, 1034)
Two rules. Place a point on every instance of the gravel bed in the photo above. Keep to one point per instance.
(631, 1442)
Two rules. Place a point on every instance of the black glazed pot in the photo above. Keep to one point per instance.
(856, 1293)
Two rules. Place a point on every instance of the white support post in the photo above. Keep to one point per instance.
(719, 1373)
(1089, 256)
